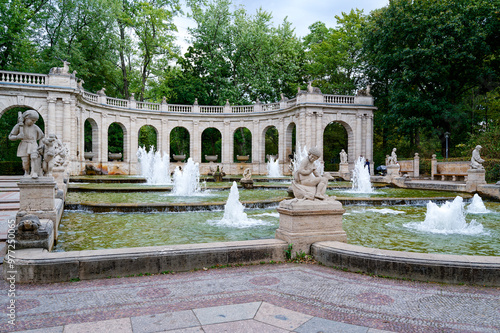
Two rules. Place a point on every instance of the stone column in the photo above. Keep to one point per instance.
(196, 140)
(50, 124)
(133, 146)
(416, 166)
(103, 158)
(226, 157)
(319, 130)
(309, 131)
(66, 135)
(301, 130)
(281, 144)
(369, 141)
(256, 158)
(357, 151)
(433, 166)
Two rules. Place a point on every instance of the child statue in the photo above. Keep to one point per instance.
(29, 134)
(308, 182)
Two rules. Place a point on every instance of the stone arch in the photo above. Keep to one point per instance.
(147, 137)
(91, 142)
(242, 143)
(270, 139)
(290, 141)
(211, 143)
(340, 136)
(180, 142)
(117, 142)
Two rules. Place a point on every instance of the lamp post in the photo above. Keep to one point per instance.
(446, 136)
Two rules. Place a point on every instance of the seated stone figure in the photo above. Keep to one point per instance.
(476, 160)
(308, 183)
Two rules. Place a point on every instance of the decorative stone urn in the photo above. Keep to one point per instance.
(211, 158)
(88, 155)
(179, 158)
(242, 158)
(115, 156)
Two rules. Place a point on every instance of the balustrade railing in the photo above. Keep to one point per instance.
(211, 109)
(271, 107)
(90, 97)
(123, 103)
(25, 78)
(180, 108)
(148, 106)
(242, 109)
(338, 99)
(42, 79)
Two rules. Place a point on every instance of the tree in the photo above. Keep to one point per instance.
(240, 57)
(334, 61)
(424, 56)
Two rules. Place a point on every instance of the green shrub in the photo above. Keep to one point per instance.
(11, 168)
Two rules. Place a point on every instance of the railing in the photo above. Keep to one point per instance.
(91, 97)
(180, 108)
(242, 109)
(148, 106)
(291, 102)
(25, 78)
(123, 103)
(271, 107)
(211, 109)
(338, 99)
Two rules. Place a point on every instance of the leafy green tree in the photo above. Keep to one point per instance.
(148, 137)
(240, 57)
(334, 140)
(179, 141)
(211, 143)
(334, 55)
(242, 142)
(424, 56)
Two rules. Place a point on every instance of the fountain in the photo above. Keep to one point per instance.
(187, 181)
(361, 178)
(154, 167)
(477, 206)
(273, 168)
(234, 212)
(450, 218)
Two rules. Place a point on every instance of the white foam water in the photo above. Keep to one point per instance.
(361, 182)
(477, 206)
(155, 166)
(450, 218)
(234, 212)
(386, 211)
(273, 168)
(187, 180)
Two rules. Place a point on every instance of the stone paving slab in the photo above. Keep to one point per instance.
(164, 321)
(297, 291)
(226, 313)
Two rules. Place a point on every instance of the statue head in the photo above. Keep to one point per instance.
(478, 147)
(315, 153)
(31, 116)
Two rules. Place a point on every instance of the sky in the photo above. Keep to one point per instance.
(301, 13)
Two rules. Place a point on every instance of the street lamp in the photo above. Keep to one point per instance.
(446, 136)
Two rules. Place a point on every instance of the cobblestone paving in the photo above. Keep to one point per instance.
(311, 290)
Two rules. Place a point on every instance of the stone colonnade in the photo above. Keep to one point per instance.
(65, 106)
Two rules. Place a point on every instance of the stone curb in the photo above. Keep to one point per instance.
(456, 269)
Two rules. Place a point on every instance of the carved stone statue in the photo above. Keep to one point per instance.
(29, 134)
(247, 174)
(343, 157)
(476, 160)
(102, 92)
(60, 70)
(308, 183)
(393, 159)
(47, 150)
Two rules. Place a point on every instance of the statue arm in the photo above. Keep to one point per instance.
(14, 133)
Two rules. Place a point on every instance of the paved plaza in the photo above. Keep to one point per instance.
(259, 298)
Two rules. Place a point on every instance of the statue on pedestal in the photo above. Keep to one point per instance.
(393, 159)
(308, 183)
(29, 134)
(343, 157)
(476, 160)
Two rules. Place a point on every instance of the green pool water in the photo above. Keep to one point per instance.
(378, 227)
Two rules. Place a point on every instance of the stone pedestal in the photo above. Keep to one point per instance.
(38, 197)
(247, 183)
(31, 232)
(392, 173)
(475, 177)
(344, 171)
(304, 222)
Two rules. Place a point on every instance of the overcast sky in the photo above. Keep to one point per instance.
(301, 13)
